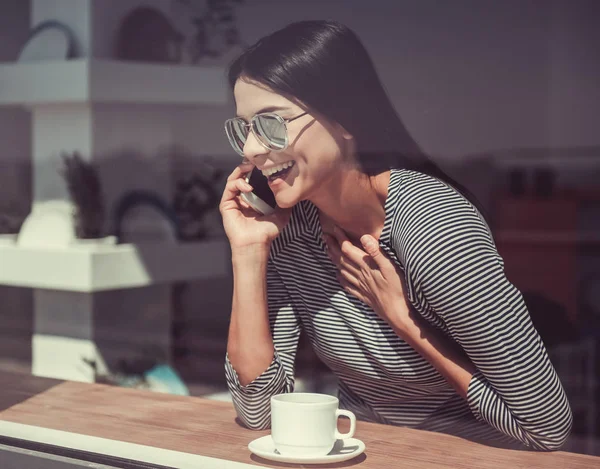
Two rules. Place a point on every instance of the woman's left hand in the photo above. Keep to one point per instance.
(370, 276)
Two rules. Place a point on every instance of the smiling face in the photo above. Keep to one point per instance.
(317, 149)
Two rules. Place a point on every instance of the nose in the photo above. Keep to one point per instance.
(254, 150)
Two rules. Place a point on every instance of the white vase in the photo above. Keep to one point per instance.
(49, 225)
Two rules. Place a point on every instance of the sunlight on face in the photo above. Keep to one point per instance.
(316, 146)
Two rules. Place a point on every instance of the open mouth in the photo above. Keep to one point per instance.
(280, 171)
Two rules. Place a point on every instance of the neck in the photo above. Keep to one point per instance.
(354, 202)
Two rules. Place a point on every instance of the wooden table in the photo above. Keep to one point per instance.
(209, 428)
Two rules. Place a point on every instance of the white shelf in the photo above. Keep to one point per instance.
(110, 81)
(82, 269)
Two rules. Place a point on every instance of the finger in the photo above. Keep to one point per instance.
(244, 204)
(352, 290)
(235, 174)
(372, 248)
(339, 234)
(346, 265)
(348, 248)
(349, 276)
(233, 189)
(240, 170)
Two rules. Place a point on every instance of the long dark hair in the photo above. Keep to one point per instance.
(325, 66)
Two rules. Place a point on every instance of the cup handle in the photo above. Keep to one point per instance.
(352, 417)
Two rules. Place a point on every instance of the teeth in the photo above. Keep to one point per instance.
(275, 169)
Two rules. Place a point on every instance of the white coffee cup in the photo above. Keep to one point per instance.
(305, 424)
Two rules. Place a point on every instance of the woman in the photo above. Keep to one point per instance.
(377, 255)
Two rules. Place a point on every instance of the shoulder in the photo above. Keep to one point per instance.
(430, 216)
(417, 200)
(414, 186)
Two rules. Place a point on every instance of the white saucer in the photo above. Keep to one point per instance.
(342, 451)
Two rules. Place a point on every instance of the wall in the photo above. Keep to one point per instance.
(574, 70)
(467, 76)
(15, 188)
(14, 122)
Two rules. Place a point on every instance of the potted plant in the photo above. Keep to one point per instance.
(85, 191)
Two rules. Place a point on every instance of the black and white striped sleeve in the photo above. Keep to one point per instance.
(457, 268)
(252, 402)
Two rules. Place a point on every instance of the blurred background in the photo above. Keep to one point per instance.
(113, 263)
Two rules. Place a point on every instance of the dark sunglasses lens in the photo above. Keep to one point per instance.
(237, 132)
(270, 130)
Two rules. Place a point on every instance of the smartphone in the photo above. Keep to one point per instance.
(261, 198)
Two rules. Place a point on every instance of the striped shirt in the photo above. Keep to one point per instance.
(455, 280)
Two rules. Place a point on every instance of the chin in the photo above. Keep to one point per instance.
(286, 201)
(290, 194)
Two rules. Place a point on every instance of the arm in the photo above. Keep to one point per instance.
(250, 344)
(263, 337)
(506, 375)
(444, 354)
(494, 357)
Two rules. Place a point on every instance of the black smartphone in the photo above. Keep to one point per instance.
(261, 198)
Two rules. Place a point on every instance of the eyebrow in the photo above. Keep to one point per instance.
(269, 109)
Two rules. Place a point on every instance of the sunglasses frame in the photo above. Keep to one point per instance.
(250, 126)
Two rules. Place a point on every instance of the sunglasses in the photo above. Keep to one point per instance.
(269, 129)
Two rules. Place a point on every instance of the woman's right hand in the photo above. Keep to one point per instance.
(243, 225)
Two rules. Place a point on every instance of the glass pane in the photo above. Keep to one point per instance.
(270, 129)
